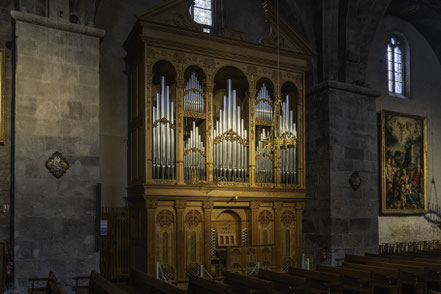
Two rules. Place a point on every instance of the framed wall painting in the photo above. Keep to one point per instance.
(2, 97)
(404, 163)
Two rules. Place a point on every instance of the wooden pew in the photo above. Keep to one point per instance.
(143, 283)
(52, 285)
(412, 276)
(388, 276)
(319, 282)
(356, 281)
(433, 268)
(97, 284)
(246, 284)
(285, 283)
(198, 285)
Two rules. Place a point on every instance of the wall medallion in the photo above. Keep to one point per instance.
(57, 165)
(355, 181)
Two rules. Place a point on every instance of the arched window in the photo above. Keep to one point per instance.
(397, 66)
(202, 12)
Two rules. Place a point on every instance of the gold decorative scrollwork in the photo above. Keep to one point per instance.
(230, 136)
(271, 157)
(164, 120)
(195, 150)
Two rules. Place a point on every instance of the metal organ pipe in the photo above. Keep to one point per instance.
(194, 158)
(230, 137)
(264, 109)
(193, 99)
(264, 164)
(163, 139)
(288, 156)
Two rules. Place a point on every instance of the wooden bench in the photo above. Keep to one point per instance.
(319, 282)
(97, 284)
(285, 283)
(143, 283)
(52, 285)
(198, 285)
(411, 276)
(246, 284)
(354, 281)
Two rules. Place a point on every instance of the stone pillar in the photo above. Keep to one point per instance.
(180, 206)
(57, 109)
(341, 139)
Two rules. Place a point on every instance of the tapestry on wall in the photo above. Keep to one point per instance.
(404, 165)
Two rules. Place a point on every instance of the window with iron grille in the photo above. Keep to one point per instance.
(396, 66)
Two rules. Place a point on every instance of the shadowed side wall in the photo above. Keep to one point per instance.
(424, 100)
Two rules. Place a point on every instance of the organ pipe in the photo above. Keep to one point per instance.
(264, 108)
(230, 142)
(163, 141)
(194, 156)
(193, 95)
(288, 168)
(264, 162)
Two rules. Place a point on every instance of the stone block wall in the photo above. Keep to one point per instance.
(57, 109)
(341, 139)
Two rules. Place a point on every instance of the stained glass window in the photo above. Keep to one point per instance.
(395, 69)
(203, 14)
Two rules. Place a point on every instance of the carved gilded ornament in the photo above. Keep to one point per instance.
(288, 217)
(208, 204)
(180, 204)
(165, 218)
(254, 204)
(151, 204)
(265, 217)
(193, 218)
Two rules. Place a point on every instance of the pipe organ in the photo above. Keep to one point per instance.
(200, 119)
(288, 155)
(163, 137)
(193, 95)
(264, 162)
(264, 108)
(194, 156)
(230, 142)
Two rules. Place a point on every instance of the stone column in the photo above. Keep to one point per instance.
(342, 128)
(180, 206)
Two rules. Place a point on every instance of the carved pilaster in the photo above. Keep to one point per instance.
(252, 136)
(151, 206)
(299, 213)
(255, 206)
(208, 208)
(277, 248)
(180, 206)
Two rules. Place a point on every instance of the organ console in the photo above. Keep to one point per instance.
(203, 186)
